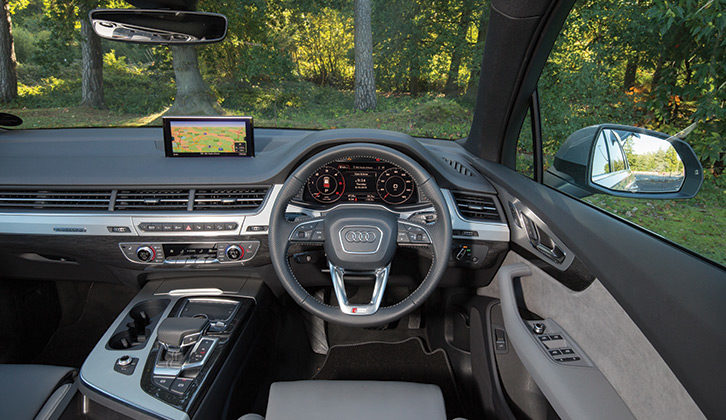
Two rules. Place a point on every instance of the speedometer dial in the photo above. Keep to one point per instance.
(326, 185)
(395, 186)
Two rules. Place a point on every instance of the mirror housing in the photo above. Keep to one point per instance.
(152, 26)
(577, 168)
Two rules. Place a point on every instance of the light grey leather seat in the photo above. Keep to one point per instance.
(353, 400)
(35, 391)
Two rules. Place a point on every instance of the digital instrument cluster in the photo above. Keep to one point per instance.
(360, 180)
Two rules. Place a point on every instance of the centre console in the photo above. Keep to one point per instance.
(177, 348)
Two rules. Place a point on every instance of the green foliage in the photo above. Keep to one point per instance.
(681, 64)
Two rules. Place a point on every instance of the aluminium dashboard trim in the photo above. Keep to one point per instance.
(96, 224)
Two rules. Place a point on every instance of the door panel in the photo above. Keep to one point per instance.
(610, 339)
(658, 299)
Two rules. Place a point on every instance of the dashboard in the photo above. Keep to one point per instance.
(102, 198)
(368, 180)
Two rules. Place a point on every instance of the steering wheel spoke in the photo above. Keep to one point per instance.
(410, 233)
(381, 278)
(308, 231)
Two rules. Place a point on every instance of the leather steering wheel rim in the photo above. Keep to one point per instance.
(280, 230)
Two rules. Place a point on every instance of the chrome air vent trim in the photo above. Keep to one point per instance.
(152, 199)
(229, 198)
(55, 199)
(476, 206)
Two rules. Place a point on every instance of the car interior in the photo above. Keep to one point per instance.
(345, 273)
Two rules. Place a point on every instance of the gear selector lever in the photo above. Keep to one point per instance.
(177, 333)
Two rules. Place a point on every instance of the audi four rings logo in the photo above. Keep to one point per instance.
(360, 236)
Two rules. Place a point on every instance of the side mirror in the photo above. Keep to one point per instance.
(152, 26)
(625, 161)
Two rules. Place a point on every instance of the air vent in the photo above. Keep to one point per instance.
(58, 200)
(476, 207)
(458, 166)
(229, 199)
(152, 200)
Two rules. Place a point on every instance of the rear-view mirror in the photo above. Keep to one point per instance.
(151, 26)
(627, 162)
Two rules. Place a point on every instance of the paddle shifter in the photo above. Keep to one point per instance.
(179, 340)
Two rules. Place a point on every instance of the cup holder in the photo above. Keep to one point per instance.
(138, 324)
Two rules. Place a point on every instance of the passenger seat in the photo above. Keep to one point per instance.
(35, 391)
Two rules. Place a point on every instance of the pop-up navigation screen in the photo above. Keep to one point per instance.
(212, 136)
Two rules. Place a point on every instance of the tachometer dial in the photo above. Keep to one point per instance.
(395, 186)
(326, 185)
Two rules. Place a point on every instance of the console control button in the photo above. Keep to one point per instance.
(163, 382)
(145, 253)
(468, 233)
(118, 229)
(234, 252)
(185, 227)
(126, 365)
(180, 385)
(250, 248)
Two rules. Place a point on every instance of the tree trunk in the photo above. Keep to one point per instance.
(8, 75)
(192, 94)
(92, 65)
(631, 69)
(452, 88)
(365, 83)
(473, 83)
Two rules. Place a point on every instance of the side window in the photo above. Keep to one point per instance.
(600, 161)
(625, 87)
(525, 157)
(617, 161)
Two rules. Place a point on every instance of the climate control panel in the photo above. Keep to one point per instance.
(188, 253)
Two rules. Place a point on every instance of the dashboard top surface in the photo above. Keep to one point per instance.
(135, 157)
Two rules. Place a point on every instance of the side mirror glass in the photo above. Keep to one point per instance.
(625, 161)
(146, 26)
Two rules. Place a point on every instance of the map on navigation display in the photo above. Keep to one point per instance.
(194, 138)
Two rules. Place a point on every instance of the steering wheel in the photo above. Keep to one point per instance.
(359, 238)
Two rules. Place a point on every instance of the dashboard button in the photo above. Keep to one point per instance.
(181, 385)
(163, 382)
(118, 229)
